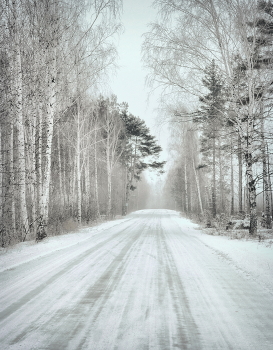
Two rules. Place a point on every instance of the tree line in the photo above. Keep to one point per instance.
(213, 60)
(66, 151)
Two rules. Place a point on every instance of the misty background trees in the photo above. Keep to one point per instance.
(213, 62)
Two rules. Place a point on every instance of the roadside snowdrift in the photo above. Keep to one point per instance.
(252, 258)
(27, 251)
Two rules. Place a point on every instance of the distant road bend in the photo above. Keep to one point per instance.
(146, 283)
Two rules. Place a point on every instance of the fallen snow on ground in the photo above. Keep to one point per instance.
(27, 251)
(151, 281)
(252, 258)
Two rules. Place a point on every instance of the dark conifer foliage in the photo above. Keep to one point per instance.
(141, 152)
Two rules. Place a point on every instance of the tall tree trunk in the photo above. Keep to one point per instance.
(21, 162)
(78, 168)
(109, 192)
(39, 135)
(213, 194)
(87, 188)
(60, 168)
(49, 121)
(252, 195)
(265, 178)
(221, 177)
(186, 186)
(1, 178)
(97, 204)
(240, 164)
(109, 180)
(249, 154)
(32, 172)
(269, 181)
(12, 184)
(231, 178)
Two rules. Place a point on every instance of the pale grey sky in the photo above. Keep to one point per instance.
(129, 82)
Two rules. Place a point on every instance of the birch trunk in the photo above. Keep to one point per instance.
(21, 163)
(213, 194)
(49, 120)
(12, 184)
(221, 178)
(97, 204)
(252, 195)
(39, 189)
(186, 187)
(269, 182)
(265, 178)
(32, 173)
(1, 178)
(61, 189)
(109, 179)
(87, 188)
(78, 169)
(231, 179)
(240, 165)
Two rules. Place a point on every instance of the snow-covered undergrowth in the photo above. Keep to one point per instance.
(30, 250)
(251, 257)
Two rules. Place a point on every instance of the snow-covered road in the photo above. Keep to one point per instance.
(151, 281)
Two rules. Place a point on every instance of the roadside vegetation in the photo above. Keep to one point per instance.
(213, 62)
(69, 153)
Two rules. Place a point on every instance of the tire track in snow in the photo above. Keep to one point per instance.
(224, 305)
(145, 285)
(93, 301)
(185, 334)
(18, 310)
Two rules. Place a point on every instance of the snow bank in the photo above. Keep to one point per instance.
(252, 258)
(27, 251)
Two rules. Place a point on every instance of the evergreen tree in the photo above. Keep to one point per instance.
(210, 120)
(140, 151)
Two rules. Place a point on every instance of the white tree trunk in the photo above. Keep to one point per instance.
(109, 180)
(78, 169)
(97, 204)
(12, 183)
(265, 178)
(186, 186)
(21, 163)
(39, 189)
(49, 120)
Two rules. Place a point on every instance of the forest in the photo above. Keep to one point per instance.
(213, 62)
(70, 153)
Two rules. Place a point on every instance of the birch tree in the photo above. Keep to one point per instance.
(219, 31)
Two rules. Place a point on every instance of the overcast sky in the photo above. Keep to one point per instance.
(129, 83)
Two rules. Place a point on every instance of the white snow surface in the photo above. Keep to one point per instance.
(153, 280)
(30, 250)
(252, 258)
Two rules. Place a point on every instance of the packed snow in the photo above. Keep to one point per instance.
(153, 280)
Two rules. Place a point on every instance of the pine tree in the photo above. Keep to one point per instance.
(141, 152)
(211, 121)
